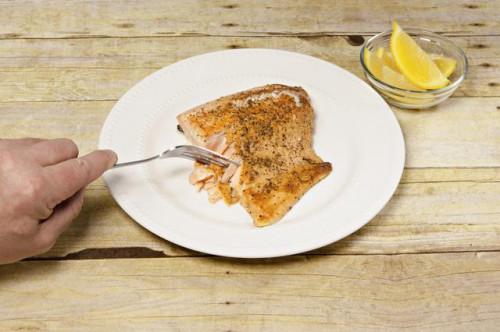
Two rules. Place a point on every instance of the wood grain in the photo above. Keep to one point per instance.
(445, 292)
(131, 18)
(443, 136)
(429, 261)
(436, 210)
(105, 68)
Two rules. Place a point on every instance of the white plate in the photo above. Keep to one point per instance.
(355, 130)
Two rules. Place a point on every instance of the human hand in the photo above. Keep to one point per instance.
(41, 192)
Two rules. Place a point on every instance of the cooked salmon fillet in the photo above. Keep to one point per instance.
(269, 130)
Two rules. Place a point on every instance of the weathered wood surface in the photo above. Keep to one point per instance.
(105, 68)
(432, 211)
(430, 260)
(445, 292)
(132, 18)
(462, 132)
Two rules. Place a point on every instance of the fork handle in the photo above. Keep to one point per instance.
(135, 162)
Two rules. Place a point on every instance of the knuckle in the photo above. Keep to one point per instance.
(46, 210)
(33, 187)
(71, 146)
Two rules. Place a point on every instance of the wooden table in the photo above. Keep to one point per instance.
(429, 260)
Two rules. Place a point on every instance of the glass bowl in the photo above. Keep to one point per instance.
(432, 44)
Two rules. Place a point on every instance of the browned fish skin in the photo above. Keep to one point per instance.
(271, 128)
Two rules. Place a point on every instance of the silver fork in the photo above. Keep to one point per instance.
(191, 152)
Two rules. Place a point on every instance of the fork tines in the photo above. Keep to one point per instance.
(204, 156)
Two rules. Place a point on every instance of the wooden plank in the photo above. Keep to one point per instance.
(104, 69)
(153, 53)
(81, 121)
(445, 292)
(436, 175)
(459, 132)
(463, 132)
(128, 18)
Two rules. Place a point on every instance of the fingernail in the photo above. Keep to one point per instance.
(113, 158)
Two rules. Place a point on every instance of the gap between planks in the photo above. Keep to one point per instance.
(148, 253)
(252, 34)
(155, 68)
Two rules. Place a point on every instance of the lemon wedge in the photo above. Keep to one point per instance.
(387, 58)
(415, 64)
(446, 65)
(396, 79)
(380, 52)
(373, 63)
(384, 73)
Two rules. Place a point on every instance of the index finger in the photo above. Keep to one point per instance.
(68, 177)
